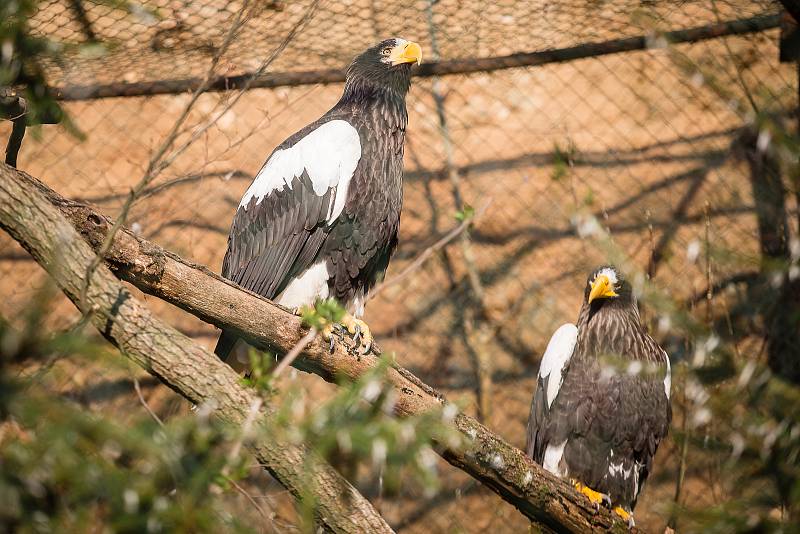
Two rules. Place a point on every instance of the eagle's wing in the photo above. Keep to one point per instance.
(556, 356)
(287, 211)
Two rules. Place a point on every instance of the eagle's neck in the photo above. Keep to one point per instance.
(611, 328)
(384, 105)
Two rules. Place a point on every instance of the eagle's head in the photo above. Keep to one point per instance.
(609, 314)
(387, 65)
(606, 286)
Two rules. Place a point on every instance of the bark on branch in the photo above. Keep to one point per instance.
(505, 469)
(176, 360)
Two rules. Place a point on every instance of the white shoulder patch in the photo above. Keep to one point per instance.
(558, 352)
(329, 154)
(668, 377)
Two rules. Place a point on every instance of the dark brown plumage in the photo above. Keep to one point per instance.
(321, 218)
(601, 406)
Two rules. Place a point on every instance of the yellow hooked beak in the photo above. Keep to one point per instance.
(601, 288)
(410, 52)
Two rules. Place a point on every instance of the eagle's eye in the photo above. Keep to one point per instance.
(386, 51)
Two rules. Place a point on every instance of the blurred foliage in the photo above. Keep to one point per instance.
(465, 214)
(67, 470)
(19, 64)
(21, 52)
(64, 467)
(357, 428)
(323, 313)
(563, 159)
(736, 409)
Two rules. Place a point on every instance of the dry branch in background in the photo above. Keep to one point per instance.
(543, 498)
(14, 107)
(191, 370)
(428, 69)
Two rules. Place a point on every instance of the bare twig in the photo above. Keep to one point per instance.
(472, 324)
(684, 450)
(247, 496)
(233, 174)
(156, 165)
(160, 160)
(144, 402)
(296, 351)
(423, 256)
(247, 426)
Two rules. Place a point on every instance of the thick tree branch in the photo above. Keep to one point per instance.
(542, 497)
(176, 360)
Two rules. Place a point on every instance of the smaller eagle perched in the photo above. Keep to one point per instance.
(320, 219)
(601, 405)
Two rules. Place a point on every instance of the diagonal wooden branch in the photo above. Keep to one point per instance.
(505, 469)
(188, 368)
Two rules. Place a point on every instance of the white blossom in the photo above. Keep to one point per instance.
(371, 391)
(764, 139)
(379, 450)
(693, 251)
(131, 501)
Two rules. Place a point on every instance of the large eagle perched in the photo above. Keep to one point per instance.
(321, 217)
(601, 404)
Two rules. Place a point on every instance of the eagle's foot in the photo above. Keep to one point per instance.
(362, 337)
(331, 332)
(625, 515)
(595, 497)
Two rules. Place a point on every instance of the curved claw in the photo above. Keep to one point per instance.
(368, 346)
(330, 332)
(625, 515)
(362, 337)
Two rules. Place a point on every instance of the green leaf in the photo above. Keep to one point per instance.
(467, 213)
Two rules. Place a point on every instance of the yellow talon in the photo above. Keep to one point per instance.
(624, 514)
(356, 327)
(359, 330)
(595, 497)
(327, 331)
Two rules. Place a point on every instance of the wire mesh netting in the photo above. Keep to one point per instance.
(647, 142)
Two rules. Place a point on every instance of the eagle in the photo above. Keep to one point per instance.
(321, 217)
(602, 400)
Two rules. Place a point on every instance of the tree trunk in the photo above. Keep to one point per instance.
(777, 294)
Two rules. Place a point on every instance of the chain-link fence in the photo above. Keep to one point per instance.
(602, 114)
